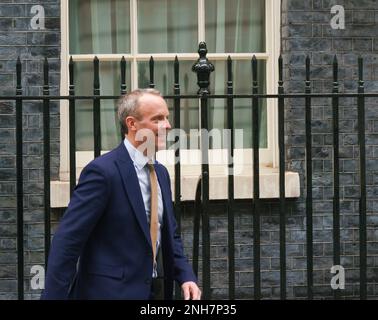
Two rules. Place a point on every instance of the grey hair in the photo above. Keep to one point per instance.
(128, 106)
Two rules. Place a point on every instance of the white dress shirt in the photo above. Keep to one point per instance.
(143, 174)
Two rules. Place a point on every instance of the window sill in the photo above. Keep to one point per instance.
(243, 184)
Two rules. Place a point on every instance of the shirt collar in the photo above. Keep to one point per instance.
(139, 159)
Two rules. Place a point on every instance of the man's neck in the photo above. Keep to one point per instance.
(136, 144)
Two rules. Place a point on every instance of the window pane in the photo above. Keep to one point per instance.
(235, 26)
(163, 73)
(164, 81)
(110, 82)
(99, 26)
(242, 77)
(167, 26)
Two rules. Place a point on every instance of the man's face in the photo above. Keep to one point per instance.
(152, 125)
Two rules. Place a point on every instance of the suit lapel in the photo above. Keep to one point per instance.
(131, 185)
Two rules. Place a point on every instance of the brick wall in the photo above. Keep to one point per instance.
(306, 30)
(17, 38)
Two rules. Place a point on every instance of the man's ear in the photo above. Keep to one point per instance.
(130, 123)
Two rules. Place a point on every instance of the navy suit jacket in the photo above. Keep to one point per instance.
(105, 225)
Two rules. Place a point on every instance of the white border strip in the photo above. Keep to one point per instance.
(64, 81)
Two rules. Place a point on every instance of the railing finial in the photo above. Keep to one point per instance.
(203, 67)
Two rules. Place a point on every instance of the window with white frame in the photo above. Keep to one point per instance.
(137, 29)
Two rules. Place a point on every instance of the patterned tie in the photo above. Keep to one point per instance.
(154, 225)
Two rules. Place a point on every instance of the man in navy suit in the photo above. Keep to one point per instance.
(102, 248)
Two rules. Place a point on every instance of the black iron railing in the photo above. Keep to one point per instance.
(203, 68)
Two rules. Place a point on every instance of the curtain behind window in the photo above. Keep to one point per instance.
(98, 26)
(167, 26)
(237, 26)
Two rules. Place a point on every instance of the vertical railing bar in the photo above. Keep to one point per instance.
(203, 68)
(177, 121)
(96, 108)
(186, 103)
(336, 172)
(196, 226)
(123, 76)
(152, 67)
(309, 223)
(72, 127)
(362, 165)
(177, 124)
(20, 192)
(281, 144)
(123, 85)
(205, 197)
(256, 183)
(230, 202)
(46, 157)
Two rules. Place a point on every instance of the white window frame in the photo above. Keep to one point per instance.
(268, 156)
